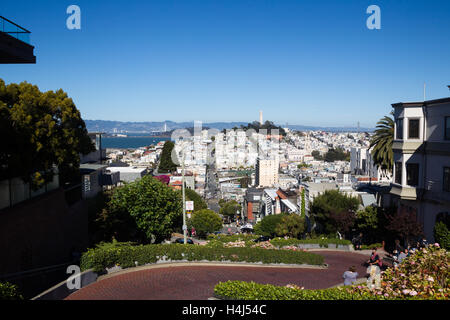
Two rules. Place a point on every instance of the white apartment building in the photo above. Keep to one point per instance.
(361, 163)
(266, 172)
(422, 160)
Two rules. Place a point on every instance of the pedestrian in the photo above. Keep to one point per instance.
(375, 259)
(358, 241)
(350, 276)
(402, 255)
(398, 247)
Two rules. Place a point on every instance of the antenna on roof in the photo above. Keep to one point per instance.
(424, 91)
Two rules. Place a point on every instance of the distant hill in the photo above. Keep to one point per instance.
(148, 127)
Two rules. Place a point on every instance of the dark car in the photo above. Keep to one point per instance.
(181, 240)
(261, 239)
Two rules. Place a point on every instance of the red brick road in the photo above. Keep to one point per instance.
(197, 282)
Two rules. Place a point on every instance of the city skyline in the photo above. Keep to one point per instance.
(187, 61)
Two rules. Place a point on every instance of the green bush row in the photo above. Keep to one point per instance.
(126, 256)
(9, 291)
(240, 290)
(371, 246)
(281, 242)
(231, 238)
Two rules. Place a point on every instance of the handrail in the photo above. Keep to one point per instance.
(23, 274)
(14, 30)
(26, 31)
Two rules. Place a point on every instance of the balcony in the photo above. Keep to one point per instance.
(15, 44)
(406, 192)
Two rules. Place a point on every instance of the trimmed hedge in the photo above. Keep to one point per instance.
(371, 246)
(9, 291)
(240, 290)
(231, 238)
(126, 255)
(281, 242)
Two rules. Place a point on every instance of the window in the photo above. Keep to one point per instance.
(447, 128)
(413, 129)
(446, 180)
(399, 133)
(398, 172)
(412, 174)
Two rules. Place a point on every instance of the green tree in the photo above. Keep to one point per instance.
(327, 207)
(337, 155)
(442, 235)
(368, 222)
(148, 207)
(166, 164)
(267, 226)
(205, 221)
(199, 203)
(44, 130)
(230, 208)
(382, 142)
(291, 225)
(405, 225)
(316, 155)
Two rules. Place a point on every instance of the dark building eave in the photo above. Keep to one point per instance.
(14, 51)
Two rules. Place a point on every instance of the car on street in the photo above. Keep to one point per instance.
(181, 240)
(261, 239)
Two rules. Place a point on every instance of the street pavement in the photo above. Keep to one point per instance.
(197, 282)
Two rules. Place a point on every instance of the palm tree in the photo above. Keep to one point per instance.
(382, 153)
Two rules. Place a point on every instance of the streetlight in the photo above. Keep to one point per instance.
(184, 199)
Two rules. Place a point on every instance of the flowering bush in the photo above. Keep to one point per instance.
(264, 245)
(292, 248)
(236, 244)
(423, 275)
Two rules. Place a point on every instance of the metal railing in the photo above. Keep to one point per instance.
(14, 30)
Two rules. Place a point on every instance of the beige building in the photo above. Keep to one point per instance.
(266, 172)
(421, 148)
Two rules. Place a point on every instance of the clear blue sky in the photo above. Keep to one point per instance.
(301, 62)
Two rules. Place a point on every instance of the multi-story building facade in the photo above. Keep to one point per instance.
(422, 160)
(266, 172)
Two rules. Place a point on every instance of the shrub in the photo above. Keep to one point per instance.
(442, 235)
(266, 227)
(323, 242)
(205, 221)
(291, 225)
(9, 291)
(371, 246)
(240, 290)
(126, 255)
(423, 275)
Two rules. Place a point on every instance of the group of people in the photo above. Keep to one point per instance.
(400, 253)
(351, 275)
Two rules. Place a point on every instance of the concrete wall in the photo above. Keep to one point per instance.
(41, 232)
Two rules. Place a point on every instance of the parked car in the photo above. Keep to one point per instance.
(261, 239)
(181, 240)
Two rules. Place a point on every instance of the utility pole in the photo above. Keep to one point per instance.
(184, 200)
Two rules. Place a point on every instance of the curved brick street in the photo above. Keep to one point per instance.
(197, 282)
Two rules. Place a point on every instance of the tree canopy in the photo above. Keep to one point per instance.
(199, 203)
(40, 131)
(205, 221)
(166, 164)
(291, 225)
(382, 142)
(230, 208)
(149, 208)
(333, 210)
